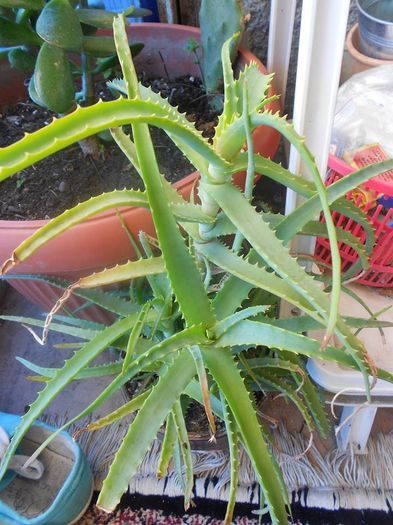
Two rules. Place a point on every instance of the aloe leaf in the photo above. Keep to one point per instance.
(311, 397)
(276, 172)
(117, 198)
(226, 374)
(264, 333)
(304, 323)
(250, 174)
(76, 321)
(230, 98)
(123, 272)
(272, 362)
(72, 366)
(74, 216)
(252, 274)
(230, 296)
(187, 474)
(134, 335)
(167, 448)
(144, 428)
(81, 333)
(147, 93)
(181, 209)
(150, 357)
(157, 353)
(193, 390)
(289, 133)
(230, 426)
(86, 373)
(87, 121)
(58, 25)
(254, 333)
(196, 309)
(222, 326)
(299, 217)
(270, 248)
(128, 408)
(280, 385)
(350, 210)
(318, 229)
(253, 85)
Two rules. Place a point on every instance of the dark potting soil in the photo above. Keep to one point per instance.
(68, 177)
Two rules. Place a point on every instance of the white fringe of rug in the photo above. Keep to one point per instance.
(335, 480)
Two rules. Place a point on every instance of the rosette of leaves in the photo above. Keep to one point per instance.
(199, 324)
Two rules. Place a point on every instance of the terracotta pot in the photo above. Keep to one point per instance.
(354, 60)
(100, 241)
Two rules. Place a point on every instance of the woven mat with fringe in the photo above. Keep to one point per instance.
(331, 481)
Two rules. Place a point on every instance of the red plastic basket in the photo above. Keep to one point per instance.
(380, 272)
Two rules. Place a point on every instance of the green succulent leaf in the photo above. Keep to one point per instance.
(88, 121)
(21, 59)
(128, 408)
(13, 34)
(58, 25)
(168, 446)
(299, 217)
(224, 370)
(53, 81)
(24, 4)
(33, 93)
(101, 18)
(88, 372)
(99, 46)
(144, 429)
(80, 333)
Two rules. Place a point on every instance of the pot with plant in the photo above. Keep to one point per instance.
(198, 325)
(164, 54)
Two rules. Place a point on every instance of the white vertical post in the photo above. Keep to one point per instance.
(321, 46)
(282, 17)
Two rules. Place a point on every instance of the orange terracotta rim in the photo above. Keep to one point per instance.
(352, 44)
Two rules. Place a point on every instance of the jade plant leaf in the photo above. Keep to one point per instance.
(21, 59)
(101, 18)
(25, 4)
(13, 34)
(58, 24)
(53, 80)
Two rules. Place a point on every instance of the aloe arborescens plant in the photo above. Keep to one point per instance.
(217, 259)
